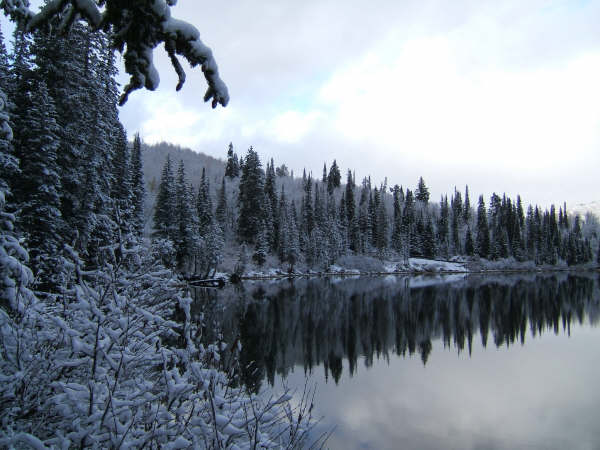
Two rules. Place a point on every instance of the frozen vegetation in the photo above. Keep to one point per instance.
(100, 342)
(259, 222)
(97, 345)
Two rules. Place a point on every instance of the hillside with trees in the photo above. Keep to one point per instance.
(254, 212)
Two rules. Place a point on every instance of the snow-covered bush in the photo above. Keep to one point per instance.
(116, 362)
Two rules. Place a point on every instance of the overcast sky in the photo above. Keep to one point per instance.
(501, 95)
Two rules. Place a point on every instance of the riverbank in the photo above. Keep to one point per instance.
(353, 266)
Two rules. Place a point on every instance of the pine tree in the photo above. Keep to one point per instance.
(443, 226)
(251, 198)
(221, 211)
(39, 185)
(408, 222)
(204, 205)
(381, 241)
(483, 234)
(469, 247)
(138, 188)
(428, 241)
(261, 248)
(164, 210)
(184, 234)
(467, 206)
(396, 241)
(232, 169)
(122, 191)
(334, 178)
(422, 192)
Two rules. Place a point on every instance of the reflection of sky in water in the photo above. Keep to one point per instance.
(540, 395)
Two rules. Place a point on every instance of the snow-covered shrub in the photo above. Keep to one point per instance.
(116, 362)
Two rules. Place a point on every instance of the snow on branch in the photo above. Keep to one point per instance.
(136, 28)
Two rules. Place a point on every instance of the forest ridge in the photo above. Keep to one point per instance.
(316, 221)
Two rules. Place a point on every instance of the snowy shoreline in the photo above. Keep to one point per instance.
(415, 267)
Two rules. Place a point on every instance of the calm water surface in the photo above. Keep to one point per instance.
(474, 362)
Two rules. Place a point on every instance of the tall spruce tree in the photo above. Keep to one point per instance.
(204, 205)
(221, 210)
(138, 187)
(422, 192)
(185, 233)
(334, 177)
(39, 185)
(164, 209)
(251, 198)
(483, 233)
(232, 168)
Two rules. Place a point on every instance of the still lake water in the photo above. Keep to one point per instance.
(477, 362)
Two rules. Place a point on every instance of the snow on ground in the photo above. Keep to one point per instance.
(415, 265)
(425, 265)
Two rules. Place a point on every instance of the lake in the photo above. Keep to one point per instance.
(426, 362)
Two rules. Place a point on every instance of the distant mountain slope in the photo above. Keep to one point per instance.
(154, 157)
(582, 208)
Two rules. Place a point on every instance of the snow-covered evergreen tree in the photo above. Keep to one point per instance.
(138, 187)
(250, 199)
(164, 210)
(37, 192)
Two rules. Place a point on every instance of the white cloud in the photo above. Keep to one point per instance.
(418, 101)
(496, 95)
(288, 127)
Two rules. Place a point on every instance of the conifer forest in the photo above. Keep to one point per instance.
(100, 342)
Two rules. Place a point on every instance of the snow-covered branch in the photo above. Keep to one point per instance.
(137, 28)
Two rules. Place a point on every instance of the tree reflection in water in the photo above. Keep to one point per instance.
(319, 322)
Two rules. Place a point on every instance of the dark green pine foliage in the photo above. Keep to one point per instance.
(334, 178)
(271, 216)
(467, 206)
(422, 192)
(164, 210)
(494, 222)
(288, 246)
(469, 246)
(261, 248)
(483, 233)
(204, 206)
(396, 240)
(232, 168)
(442, 228)
(5, 79)
(88, 120)
(428, 240)
(381, 236)
(319, 206)
(184, 232)
(251, 198)
(138, 188)
(39, 185)
(122, 191)
(408, 223)
(307, 213)
(352, 217)
(221, 210)
(457, 211)
(364, 218)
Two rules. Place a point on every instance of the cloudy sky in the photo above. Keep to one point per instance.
(501, 95)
